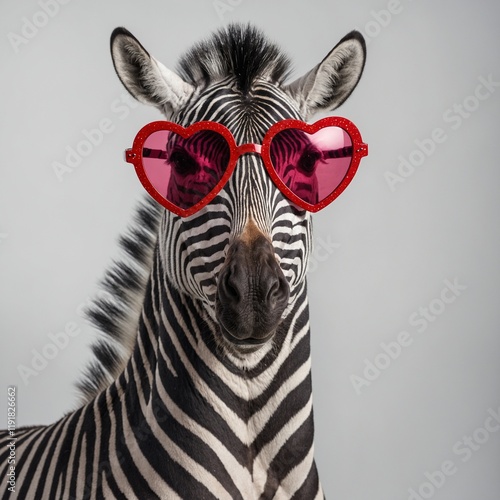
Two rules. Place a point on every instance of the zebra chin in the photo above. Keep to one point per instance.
(252, 293)
(247, 345)
(242, 333)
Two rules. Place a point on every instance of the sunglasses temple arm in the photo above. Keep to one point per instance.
(154, 153)
(337, 153)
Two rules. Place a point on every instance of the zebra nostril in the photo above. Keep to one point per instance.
(273, 292)
(231, 290)
(278, 293)
(230, 287)
(277, 286)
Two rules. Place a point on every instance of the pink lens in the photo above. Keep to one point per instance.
(184, 171)
(312, 166)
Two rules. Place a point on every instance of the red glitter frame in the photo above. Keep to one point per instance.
(134, 155)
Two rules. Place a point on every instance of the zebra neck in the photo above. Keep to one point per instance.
(181, 373)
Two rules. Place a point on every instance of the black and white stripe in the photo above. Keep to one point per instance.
(185, 415)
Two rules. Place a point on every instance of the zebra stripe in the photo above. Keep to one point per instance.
(188, 414)
(105, 454)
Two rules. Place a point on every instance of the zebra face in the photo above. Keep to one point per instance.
(255, 240)
(244, 255)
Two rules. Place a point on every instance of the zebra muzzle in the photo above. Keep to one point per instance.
(252, 292)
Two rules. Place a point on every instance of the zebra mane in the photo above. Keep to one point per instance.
(238, 50)
(116, 310)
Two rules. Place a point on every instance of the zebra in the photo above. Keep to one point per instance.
(201, 383)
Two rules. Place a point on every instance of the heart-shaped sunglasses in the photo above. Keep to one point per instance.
(183, 169)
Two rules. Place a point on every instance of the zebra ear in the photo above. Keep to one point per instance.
(147, 79)
(331, 82)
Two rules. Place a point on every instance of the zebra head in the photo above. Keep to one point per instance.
(243, 255)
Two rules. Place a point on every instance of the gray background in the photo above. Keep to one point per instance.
(381, 253)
